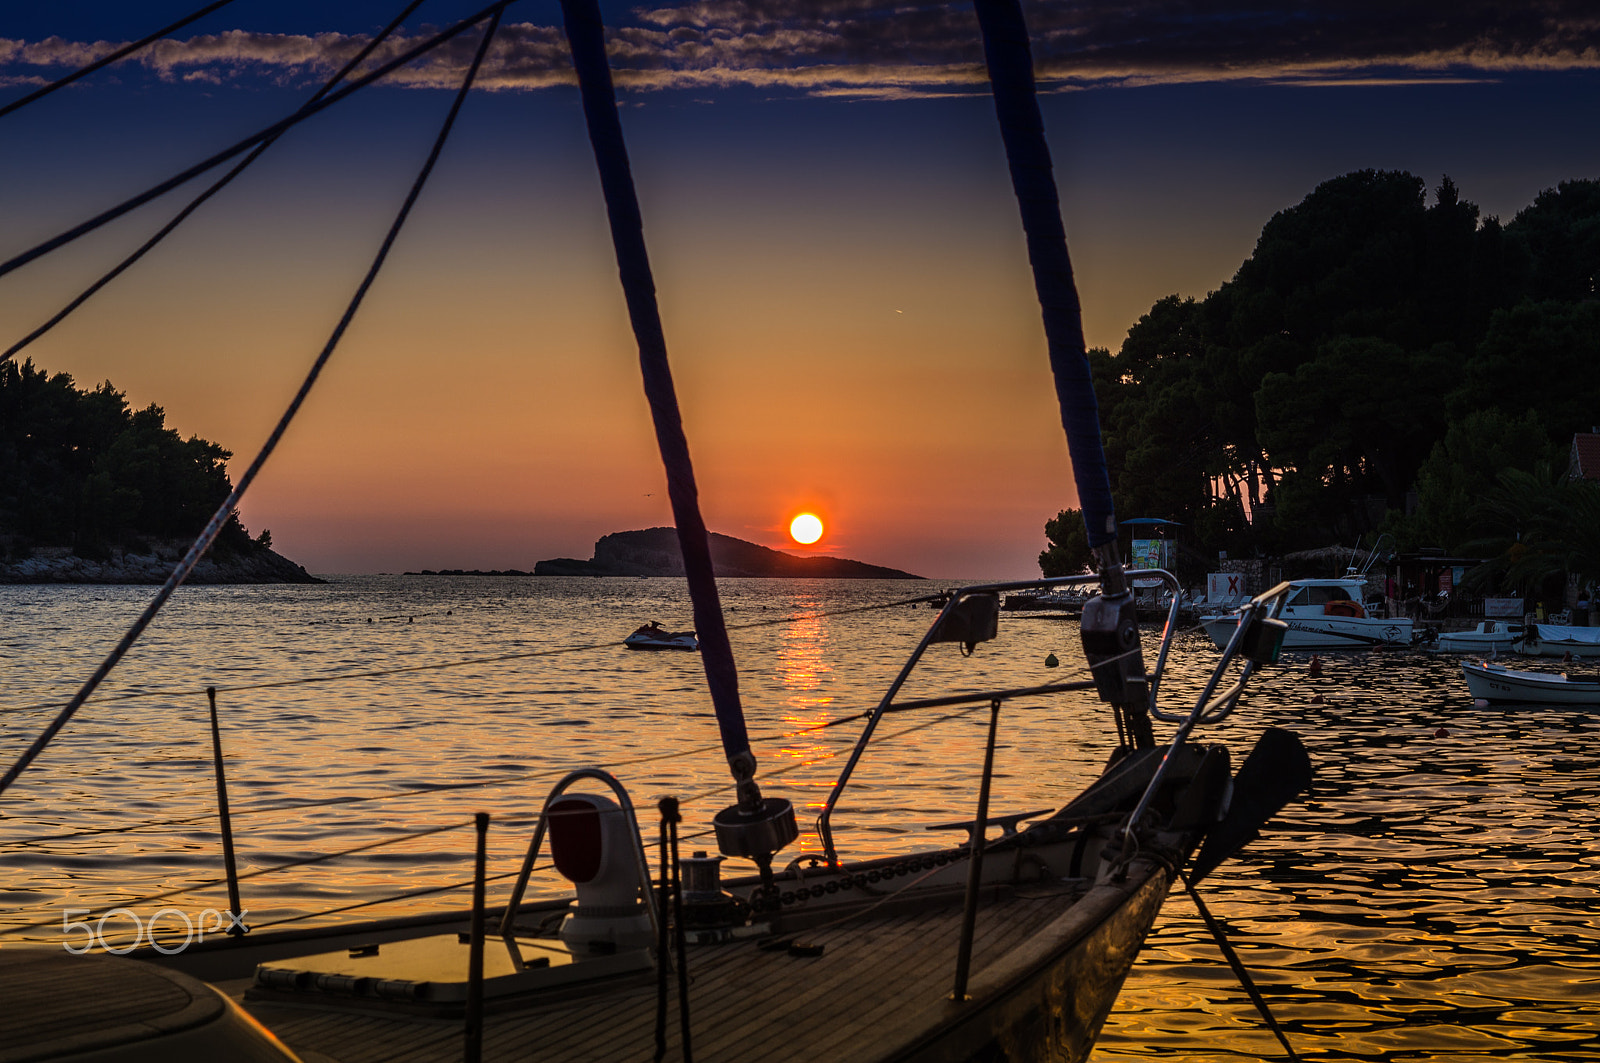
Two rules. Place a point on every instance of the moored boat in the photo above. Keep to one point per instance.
(653, 636)
(1490, 682)
(1325, 614)
(1490, 636)
(1557, 640)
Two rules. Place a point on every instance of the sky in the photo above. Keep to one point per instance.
(838, 256)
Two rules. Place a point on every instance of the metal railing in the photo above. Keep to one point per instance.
(887, 704)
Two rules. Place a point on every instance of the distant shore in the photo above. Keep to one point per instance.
(654, 552)
(58, 564)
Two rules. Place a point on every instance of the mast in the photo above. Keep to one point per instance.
(755, 827)
(1109, 626)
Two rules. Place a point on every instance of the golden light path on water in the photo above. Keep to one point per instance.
(1433, 899)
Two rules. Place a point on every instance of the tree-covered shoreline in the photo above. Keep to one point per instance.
(1378, 363)
(80, 469)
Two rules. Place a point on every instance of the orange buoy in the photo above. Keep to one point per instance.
(1441, 733)
(1316, 699)
(1315, 666)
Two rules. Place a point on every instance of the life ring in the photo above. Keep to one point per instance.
(1343, 607)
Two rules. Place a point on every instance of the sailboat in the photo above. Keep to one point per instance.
(1009, 945)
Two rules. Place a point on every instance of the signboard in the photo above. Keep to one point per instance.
(1445, 580)
(1147, 553)
(1502, 607)
(1150, 553)
(1224, 585)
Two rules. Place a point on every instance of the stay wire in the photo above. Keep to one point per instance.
(463, 663)
(194, 204)
(105, 61)
(225, 511)
(290, 865)
(408, 895)
(155, 191)
(1238, 966)
(505, 780)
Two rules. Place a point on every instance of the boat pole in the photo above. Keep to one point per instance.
(473, 1027)
(755, 827)
(975, 847)
(236, 926)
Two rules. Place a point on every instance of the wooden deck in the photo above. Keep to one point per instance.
(878, 977)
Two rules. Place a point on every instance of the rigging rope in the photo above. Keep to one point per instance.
(463, 663)
(307, 862)
(194, 204)
(493, 10)
(121, 53)
(225, 511)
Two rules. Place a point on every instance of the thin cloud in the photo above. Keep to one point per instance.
(881, 49)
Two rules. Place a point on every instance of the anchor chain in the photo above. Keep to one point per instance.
(763, 901)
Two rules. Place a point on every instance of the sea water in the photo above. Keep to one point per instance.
(1434, 898)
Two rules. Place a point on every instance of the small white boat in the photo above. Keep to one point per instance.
(1494, 683)
(1554, 640)
(1324, 614)
(655, 637)
(1490, 636)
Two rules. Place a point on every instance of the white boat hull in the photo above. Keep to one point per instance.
(666, 641)
(1324, 633)
(1490, 636)
(1491, 683)
(1551, 640)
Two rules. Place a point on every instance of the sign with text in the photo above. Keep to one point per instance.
(1502, 607)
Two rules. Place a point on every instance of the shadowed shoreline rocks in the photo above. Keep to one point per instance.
(153, 566)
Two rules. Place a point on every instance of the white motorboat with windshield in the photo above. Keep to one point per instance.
(1490, 636)
(1325, 614)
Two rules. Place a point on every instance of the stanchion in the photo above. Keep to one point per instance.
(969, 915)
(230, 867)
(473, 1031)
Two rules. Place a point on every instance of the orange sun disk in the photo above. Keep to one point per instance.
(806, 528)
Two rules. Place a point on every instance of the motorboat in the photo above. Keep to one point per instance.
(1556, 640)
(655, 637)
(1325, 614)
(1490, 636)
(1491, 682)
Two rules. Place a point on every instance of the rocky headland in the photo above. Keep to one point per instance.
(152, 565)
(654, 552)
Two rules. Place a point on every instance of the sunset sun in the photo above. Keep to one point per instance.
(806, 528)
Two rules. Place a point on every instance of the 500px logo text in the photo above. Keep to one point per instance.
(84, 936)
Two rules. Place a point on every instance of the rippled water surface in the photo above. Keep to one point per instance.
(1437, 897)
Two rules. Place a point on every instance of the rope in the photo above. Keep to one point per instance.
(121, 53)
(194, 204)
(410, 894)
(468, 662)
(505, 780)
(224, 155)
(225, 511)
(307, 862)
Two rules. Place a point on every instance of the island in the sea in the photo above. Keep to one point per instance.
(654, 552)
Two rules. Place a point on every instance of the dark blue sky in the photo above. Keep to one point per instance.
(825, 198)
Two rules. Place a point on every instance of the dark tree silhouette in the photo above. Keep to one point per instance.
(79, 469)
